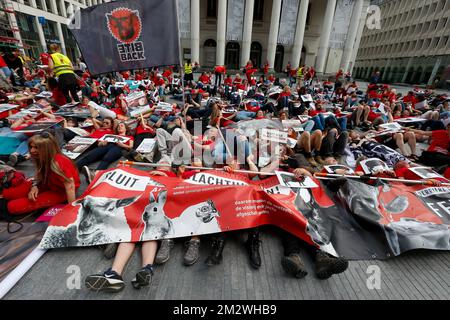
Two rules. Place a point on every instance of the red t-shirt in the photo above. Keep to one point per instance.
(140, 130)
(99, 133)
(440, 142)
(167, 73)
(188, 174)
(204, 79)
(220, 69)
(407, 174)
(2, 62)
(55, 182)
(228, 81)
(59, 97)
(44, 57)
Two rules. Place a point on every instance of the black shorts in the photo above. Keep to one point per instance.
(67, 80)
(189, 77)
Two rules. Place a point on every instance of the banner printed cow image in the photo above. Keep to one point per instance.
(197, 219)
(316, 229)
(403, 232)
(99, 221)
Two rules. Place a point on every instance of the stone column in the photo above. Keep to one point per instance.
(351, 36)
(221, 32)
(247, 35)
(61, 38)
(299, 33)
(40, 33)
(195, 31)
(273, 33)
(325, 37)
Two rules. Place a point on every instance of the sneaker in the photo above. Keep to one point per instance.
(110, 250)
(312, 162)
(87, 174)
(293, 265)
(252, 244)
(143, 278)
(215, 256)
(163, 254)
(192, 250)
(109, 281)
(327, 265)
(13, 160)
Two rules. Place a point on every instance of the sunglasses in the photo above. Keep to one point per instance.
(43, 134)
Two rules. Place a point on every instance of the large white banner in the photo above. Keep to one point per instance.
(288, 23)
(184, 18)
(341, 23)
(235, 20)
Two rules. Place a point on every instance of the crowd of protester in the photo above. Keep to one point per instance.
(338, 123)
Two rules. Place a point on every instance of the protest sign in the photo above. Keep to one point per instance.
(77, 146)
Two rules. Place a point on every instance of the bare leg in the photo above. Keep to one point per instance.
(149, 252)
(400, 143)
(123, 254)
(411, 139)
(316, 140)
(359, 112)
(305, 142)
(366, 113)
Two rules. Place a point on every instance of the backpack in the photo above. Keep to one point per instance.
(9, 177)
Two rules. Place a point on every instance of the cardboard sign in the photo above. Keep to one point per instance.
(114, 138)
(289, 180)
(274, 135)
(373, 165)
(77, 146)
(146, 146)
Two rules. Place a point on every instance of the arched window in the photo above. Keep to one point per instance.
(279, 56)
(209, 53)
(256, 54)
(232, 53)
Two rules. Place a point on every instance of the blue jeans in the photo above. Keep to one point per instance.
(245, 115)
(308, 125)
(155, 118)
(320, 122)
(6, 72)
(220, 152)
(106, 154)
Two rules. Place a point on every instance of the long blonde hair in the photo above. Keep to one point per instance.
(48, 148)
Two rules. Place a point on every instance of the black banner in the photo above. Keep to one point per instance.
(128, 34)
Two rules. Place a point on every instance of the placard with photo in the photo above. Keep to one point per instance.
(373, 165)
(289, 180)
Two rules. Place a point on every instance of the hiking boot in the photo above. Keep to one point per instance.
(215, 257)
(109, 281)
(13, 160)
(192, 250)
(327, 265)
(252, 244)
(88, 174)
(110, 250)
(312, 162)
(293, 265)
(163, 254)
(143, 278)
(320, 160)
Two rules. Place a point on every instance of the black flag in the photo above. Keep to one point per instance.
(128, 34)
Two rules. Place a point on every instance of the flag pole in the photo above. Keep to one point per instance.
(331, 176)
(160, 165)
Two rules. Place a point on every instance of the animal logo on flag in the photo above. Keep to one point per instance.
(124, 24)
